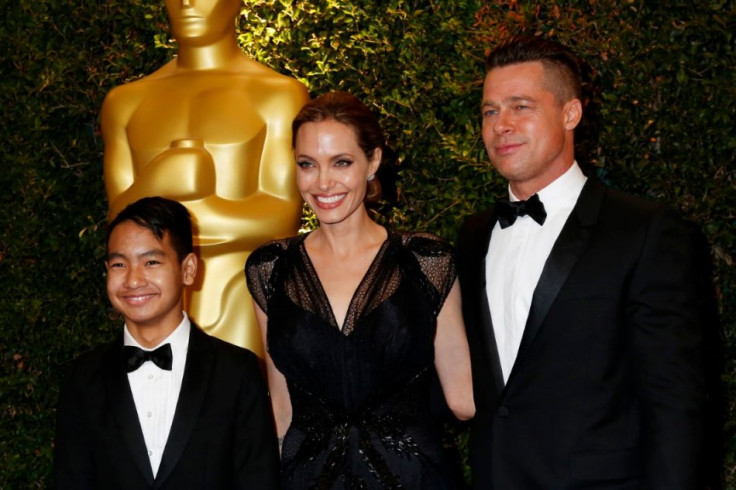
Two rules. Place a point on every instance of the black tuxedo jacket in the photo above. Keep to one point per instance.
(607, 388)
(222, 435)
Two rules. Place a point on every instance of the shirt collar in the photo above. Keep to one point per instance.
(179, 338)
(563, 190)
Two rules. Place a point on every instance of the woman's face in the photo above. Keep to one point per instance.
(333, 170)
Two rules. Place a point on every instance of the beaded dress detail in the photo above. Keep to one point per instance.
(359, 394)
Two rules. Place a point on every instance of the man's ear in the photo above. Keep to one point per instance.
(573, 111)
(189, 269)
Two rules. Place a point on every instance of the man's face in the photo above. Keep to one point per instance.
(202, 22)
(527, 130)
(145, 278)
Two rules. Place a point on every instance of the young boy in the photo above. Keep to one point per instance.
(164, 405)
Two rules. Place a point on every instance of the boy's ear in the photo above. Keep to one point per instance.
(189, 269)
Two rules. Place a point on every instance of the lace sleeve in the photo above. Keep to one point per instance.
(259, 272)
(436, 260)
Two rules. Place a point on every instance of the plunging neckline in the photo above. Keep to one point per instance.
(361, 288)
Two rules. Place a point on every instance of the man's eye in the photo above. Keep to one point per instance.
(153, 262)
(490, 112)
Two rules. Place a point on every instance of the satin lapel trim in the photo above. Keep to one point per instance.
(568, 248)
(123, 407)
(197, 372)
(490, 342)
(485, 308)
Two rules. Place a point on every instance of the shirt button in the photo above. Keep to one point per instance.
(150, 414)
(150, 453)
(503, 412)
(150, 376)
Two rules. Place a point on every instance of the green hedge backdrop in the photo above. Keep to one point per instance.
(661, 107)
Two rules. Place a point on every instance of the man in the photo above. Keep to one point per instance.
(164, 405)
(579, 301)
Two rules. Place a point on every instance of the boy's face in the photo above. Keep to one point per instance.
(145, 279)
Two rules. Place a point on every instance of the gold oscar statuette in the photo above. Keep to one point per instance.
(211, 129)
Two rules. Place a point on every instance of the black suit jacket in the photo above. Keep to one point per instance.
(607, 389)
(222, 435)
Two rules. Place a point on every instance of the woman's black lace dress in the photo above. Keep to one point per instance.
(359, 395)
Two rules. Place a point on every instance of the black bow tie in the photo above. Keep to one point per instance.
(508, 211)
(134, 357)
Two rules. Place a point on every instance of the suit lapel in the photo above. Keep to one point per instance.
(123, 406)
(568, 248)
(197, 372)
(482, 238)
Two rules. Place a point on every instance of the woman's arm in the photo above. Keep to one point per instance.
(452, 357)
(280, 401)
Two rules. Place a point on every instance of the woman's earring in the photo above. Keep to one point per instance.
(371, 177)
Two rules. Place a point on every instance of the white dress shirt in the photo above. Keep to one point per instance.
(516, 257)
(156, 391)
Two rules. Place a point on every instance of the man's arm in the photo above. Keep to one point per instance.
(664, 309)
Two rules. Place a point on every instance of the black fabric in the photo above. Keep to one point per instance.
(508, 211)
(359, 393)
(222, 435)
(607, 388)
(134, 357)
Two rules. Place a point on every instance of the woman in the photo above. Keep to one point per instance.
(354, 316)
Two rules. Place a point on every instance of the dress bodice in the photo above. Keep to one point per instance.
(359, 393)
